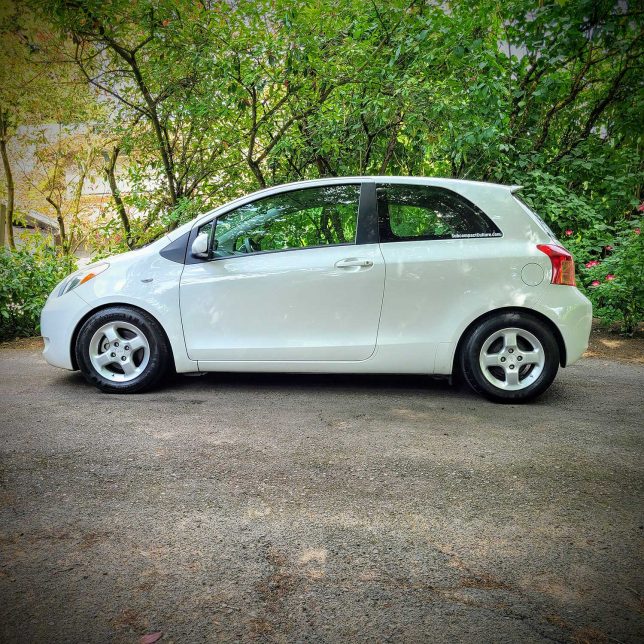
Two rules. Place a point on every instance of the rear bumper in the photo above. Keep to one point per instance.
(573, 315)
(58, 320)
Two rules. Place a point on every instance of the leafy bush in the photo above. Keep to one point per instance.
(613, 278)
(604, 237)
(27, 276)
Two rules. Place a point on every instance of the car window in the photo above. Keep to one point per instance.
(298, 219)
(408, 212)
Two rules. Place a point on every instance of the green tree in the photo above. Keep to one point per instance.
(209, 100)
(35, 88)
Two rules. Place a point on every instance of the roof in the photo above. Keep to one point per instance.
(38, 220)
(438, 181)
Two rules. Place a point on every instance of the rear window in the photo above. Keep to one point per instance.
(413, 212)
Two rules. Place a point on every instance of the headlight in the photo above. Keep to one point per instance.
(80, 277)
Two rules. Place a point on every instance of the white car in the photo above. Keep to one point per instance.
(343, 275)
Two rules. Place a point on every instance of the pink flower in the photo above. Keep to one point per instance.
(609, 247)
(636, 231)
(610, 277)
(641, 207)
(568, 232)
(592, 263)
(595, 283)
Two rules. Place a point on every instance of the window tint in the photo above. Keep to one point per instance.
(298, 219)
(408, 212)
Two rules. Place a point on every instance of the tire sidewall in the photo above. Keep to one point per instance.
(471, 368)
(157, 363)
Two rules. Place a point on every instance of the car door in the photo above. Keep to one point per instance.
(441, 254)
(290, 280)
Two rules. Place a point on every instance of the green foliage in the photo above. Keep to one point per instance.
(613, 276)
(108, 238)
(184, 210)
(27, 277)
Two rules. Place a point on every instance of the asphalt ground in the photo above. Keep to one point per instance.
(319, 509)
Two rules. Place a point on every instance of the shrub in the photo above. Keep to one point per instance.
(27, 276)
(612, 275)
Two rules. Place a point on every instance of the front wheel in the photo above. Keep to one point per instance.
(512, 357)
(122, 350)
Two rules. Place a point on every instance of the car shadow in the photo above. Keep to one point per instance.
(304, 382)
(339, 384)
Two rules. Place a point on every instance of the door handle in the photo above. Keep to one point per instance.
(354, 262)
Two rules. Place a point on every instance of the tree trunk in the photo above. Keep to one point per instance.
(325, 220)
(61, 224)
(257, 171)
(8, 177)
(110, 165)
(3, 224)
(337, 225)
(391, 146)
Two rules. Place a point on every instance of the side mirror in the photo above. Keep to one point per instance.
(200, 246)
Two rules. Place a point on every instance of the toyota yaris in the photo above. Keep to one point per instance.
(344, 275)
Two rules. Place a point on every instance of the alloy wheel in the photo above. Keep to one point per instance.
(512, 359)
(119, 351)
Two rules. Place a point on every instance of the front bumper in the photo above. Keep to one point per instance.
(58, 320)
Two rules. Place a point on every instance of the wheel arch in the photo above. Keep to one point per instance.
(110, 305)
(512, 309)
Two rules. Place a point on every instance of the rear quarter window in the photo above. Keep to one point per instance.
(413, 212)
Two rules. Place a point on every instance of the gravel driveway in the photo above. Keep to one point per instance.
(321, 509)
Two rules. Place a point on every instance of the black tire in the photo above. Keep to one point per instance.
(157, 351)
(534, 379)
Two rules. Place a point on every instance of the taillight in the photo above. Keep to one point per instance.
(563, 264)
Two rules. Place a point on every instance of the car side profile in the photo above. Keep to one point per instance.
(344, 275)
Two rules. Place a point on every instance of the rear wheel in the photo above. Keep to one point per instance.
(512, 357)
(122, 350)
